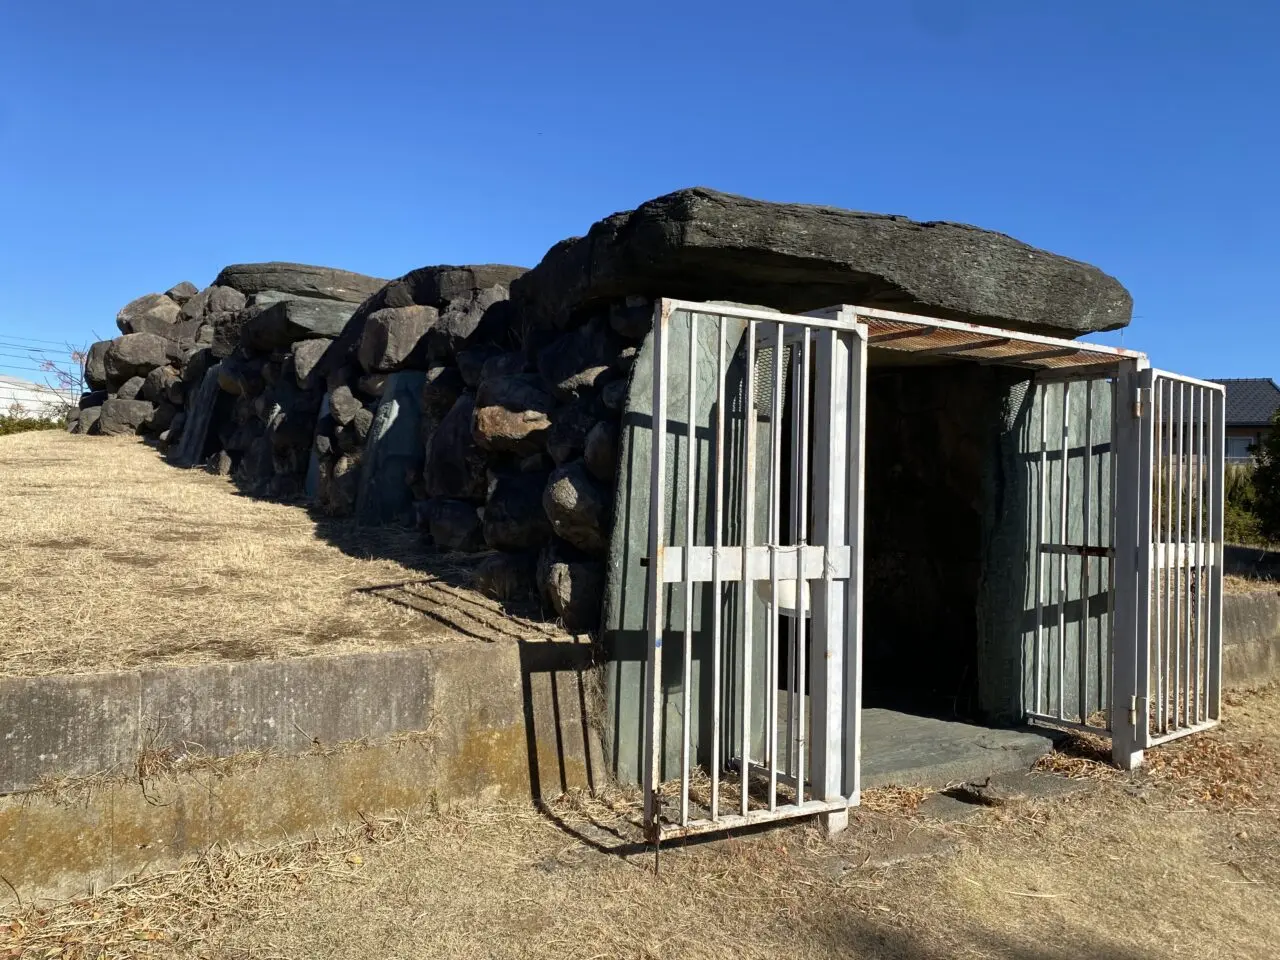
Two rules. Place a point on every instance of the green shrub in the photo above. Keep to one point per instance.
(1266, 482)
(20, 424)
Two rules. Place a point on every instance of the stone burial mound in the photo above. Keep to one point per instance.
(484, 403)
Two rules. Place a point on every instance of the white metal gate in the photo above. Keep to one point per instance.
(1181, 544)
(763, 584)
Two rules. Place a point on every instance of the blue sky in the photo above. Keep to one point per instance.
(146, 143)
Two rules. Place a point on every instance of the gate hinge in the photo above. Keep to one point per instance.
(1133, 712)
(1141, 397)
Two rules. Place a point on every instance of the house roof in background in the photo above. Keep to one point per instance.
(1251, 402)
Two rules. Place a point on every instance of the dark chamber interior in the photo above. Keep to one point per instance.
(928, 440)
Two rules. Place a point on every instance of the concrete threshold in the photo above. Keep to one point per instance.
(903, 749)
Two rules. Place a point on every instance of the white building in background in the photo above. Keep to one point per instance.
(33, 399)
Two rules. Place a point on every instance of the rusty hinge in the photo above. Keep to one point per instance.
(1141, 398)
(1133, 712)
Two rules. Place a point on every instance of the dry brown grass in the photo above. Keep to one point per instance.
(1147, 867)
(1234, 584)
(114, 558)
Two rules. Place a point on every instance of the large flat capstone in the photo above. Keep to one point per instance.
(298, 279)
(700, 244)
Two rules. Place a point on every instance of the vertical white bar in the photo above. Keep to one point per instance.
(1086, 562)
(1063, 539)
(1042, 391)
(1217, 503)
(1179, 699)
(690, 483)
(1105, 657)
(1160, 622)
(851, 784)
(789, 758)
(717, 582)
(830, 465)
(1198, 560)
(802, 586)
(657, 548)
(1132, 560)
(775, 537)
(748, 538)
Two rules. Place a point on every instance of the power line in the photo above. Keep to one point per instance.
(14, 336)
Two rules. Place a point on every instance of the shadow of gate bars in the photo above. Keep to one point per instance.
(755, 551)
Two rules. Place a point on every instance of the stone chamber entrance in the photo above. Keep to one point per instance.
(933, 709)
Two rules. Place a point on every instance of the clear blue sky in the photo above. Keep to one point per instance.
(146, 143)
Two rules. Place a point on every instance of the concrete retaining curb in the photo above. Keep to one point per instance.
(348, 736)
(1251, 637)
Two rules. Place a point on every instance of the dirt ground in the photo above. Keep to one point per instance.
(1179, 860)
(112, 558)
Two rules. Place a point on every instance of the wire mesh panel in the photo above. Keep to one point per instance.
(1182, 570)
(753, 547)
(1073, 552)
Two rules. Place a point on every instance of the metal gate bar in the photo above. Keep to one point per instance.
(776, 354)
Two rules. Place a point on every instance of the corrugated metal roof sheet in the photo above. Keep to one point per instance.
(1251, 402)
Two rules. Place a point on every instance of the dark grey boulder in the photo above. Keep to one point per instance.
(95, 370)
(219, 464)
(299, 279)
(437, 287)
(600, 452)
(88, 422)
(300, 318)
(372, 384)
(513, 414)
(573, 588)
(393, 453)
(73, 418)
(504, 364)
(453, 524)
(578, 507)
(213, 300)
(361, 423)
(307, 355)
(441, 390)
(513, 514)
(120, 417)
(392, 336)
(161, 418)
(343, 405)
(180, 293)
(471, 362)
(158, 382)
(151, 313)
(567, 438)
(131, 389)
(454, 465)
(93, 398)
(137, 354)
(700, 244)
(581, 359)
(177, 426)
(632, 318)
(506, 576)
